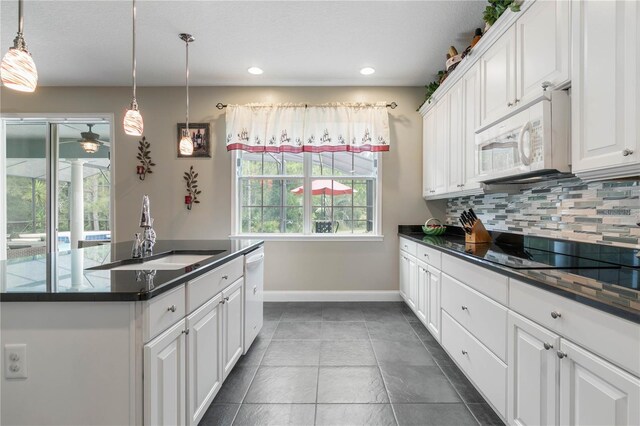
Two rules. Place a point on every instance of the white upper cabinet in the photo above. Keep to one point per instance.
(428, 151)
(542, 53)
(497, 78)
(455, 171)
(605, 90)
(441, 152)
(471, 86)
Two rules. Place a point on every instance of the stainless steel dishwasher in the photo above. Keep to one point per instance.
(254, 295)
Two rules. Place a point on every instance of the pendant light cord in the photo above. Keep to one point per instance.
(20, 18)
(187, 79)
(133, 61)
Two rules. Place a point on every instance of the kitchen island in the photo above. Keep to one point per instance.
(91, 336)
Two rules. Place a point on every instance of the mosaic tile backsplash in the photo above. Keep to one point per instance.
(570, 209)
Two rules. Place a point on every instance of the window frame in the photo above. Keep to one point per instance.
(306, 235)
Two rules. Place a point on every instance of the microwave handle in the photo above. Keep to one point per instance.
(527, 128)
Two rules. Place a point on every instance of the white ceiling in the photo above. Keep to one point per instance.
(308, 43)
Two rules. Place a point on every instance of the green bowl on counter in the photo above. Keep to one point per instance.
(433, 230)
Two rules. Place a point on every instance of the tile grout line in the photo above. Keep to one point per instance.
(386, 389)
(254, 375)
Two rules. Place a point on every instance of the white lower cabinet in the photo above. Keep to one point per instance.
(433, 302)
(595, 392)
(165, 377)
(422, 301)
(232, 325)
(205, 361)
(533, 373)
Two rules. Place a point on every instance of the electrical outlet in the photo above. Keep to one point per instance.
(15, 361)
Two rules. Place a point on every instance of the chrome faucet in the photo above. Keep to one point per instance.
(146, 222)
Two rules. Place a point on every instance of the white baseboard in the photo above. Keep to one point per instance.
(333, 296)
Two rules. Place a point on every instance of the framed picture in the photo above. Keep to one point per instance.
(200, 136)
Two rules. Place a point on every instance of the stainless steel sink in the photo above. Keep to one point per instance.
(169, 261)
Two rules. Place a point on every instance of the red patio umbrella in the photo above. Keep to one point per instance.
(326, 187)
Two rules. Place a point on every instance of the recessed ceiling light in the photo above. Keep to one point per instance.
(255, 70)
(367, 71)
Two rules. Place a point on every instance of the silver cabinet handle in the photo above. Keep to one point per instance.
(516, 101)
(255, 290)
(185, 331)
(226, 299)
(464, 352)
(547, 346)
(225, 277)
(546, 85)
(464, 308)
(627, 152)
(221, 302)
(509, 104)
(556, 315)
(426, 255)
(172, 308)
(562, 354)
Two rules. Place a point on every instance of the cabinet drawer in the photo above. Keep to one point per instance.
(162, 312)
(486, 282)
(613, 338)
(485, 319)
(429, 256)
(408, 246)
(203, 288)
(484, 369)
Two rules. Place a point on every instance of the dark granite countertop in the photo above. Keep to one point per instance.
(74, 275)
(615, 299)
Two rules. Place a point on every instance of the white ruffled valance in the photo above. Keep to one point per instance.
(298, 128)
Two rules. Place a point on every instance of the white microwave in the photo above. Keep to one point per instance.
(532, 142)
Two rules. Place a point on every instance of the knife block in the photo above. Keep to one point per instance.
(479, 234)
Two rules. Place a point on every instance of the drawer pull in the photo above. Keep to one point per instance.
(225, 277)
(556, 315)
(185, 331)
(171, 308)
(547, 346)
(426, 255)
(464, 352)
(221, 302)
(226, 299)
(464, 308)
(562, 354)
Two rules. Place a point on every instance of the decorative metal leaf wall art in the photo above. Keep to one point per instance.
(144, 156)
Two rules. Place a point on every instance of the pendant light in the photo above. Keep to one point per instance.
(186, 143)
(132, 122)
(18, 71)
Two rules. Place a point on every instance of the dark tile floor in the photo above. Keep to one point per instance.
(369, 363)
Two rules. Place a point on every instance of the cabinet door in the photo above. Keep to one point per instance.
(497, 78)
(471, 82)
(165, 378)
(433, 299)
(404, 276)
(204, 352)
(533, 373)
(429, 153)
(441, 151)
(232, 325)
(423, 287)
(413, 283)
(594, 392)
(543, 54)
(455, 172)
(605, 90)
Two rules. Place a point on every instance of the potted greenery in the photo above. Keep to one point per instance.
(496, 8)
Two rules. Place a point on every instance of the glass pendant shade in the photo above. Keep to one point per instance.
(90, 147)
(186, 145)
(133, 124)
(18, 71)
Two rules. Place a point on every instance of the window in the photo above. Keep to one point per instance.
(55, 189)
(328, 194)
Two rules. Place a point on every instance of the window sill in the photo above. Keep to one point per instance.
(301, 237)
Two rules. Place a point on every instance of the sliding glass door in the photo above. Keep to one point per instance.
(57, 185)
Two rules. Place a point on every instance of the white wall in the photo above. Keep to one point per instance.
(315, 265)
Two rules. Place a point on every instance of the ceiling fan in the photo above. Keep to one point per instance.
(89, 141)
